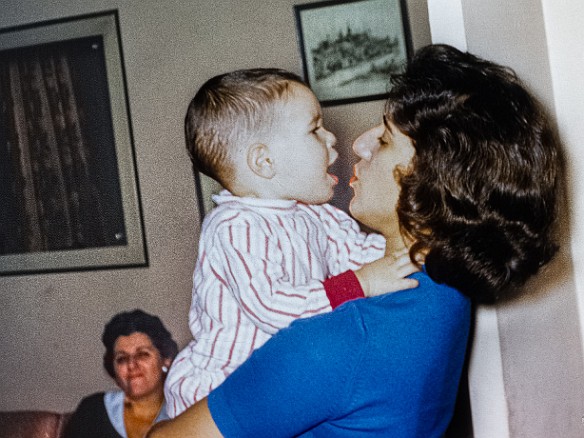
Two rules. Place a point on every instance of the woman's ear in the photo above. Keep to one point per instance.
(259, 160)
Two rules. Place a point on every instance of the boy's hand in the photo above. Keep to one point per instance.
(387, 275)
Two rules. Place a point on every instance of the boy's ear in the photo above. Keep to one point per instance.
(259, 160)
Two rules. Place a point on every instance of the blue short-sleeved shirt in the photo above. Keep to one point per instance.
(387, 366)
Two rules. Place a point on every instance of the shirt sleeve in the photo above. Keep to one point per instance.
(342, 288)
(299, 379)
(250, 265)
(348, 248)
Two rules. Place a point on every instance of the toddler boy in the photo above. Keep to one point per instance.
(272, 244)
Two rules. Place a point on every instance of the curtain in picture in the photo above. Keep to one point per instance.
(50, 201)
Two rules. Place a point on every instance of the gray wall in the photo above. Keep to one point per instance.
(51, 324)
(539, 334)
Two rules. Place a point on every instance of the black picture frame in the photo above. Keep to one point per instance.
(205, 188)
(350, 47)
(92, 47)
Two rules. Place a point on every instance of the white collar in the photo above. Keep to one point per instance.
(225, 197)
(114, 406)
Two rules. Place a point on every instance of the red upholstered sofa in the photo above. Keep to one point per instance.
(32, 424)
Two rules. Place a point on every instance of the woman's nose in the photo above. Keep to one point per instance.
(132, 362)
(331, 141)
(367, 143)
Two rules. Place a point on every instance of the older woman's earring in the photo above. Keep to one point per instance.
(164, 369)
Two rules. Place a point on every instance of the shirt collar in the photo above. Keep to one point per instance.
(225, 197)
(114, 406)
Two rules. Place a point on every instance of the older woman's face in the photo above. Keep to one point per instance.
(381, 150)
(138, 365)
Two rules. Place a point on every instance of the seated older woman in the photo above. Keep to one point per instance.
(139, 350)
(463, 173)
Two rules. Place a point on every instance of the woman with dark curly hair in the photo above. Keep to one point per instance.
(138, 353)
(478, 199)
(463, 173)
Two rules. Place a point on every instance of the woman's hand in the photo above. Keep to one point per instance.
(387, 275)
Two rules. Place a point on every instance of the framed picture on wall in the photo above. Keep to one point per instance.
(350, 47)
(205, 188)
(69, 193)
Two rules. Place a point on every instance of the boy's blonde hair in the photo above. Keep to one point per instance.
(229, 109)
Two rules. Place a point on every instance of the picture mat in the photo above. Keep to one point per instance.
(134, 253)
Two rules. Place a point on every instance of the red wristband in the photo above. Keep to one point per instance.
(342, 288)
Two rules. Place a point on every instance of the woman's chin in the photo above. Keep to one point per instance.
(365, 216)
(355, 209)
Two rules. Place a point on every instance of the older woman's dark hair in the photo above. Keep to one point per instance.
(136, 321)
(480, 196)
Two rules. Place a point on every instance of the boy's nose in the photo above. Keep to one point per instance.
(331, 141)
(367, 143)
(333, 155)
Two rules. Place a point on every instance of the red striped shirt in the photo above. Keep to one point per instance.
(261, 265)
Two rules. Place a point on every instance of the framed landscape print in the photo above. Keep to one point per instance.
(69, 191)
(350, 47)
